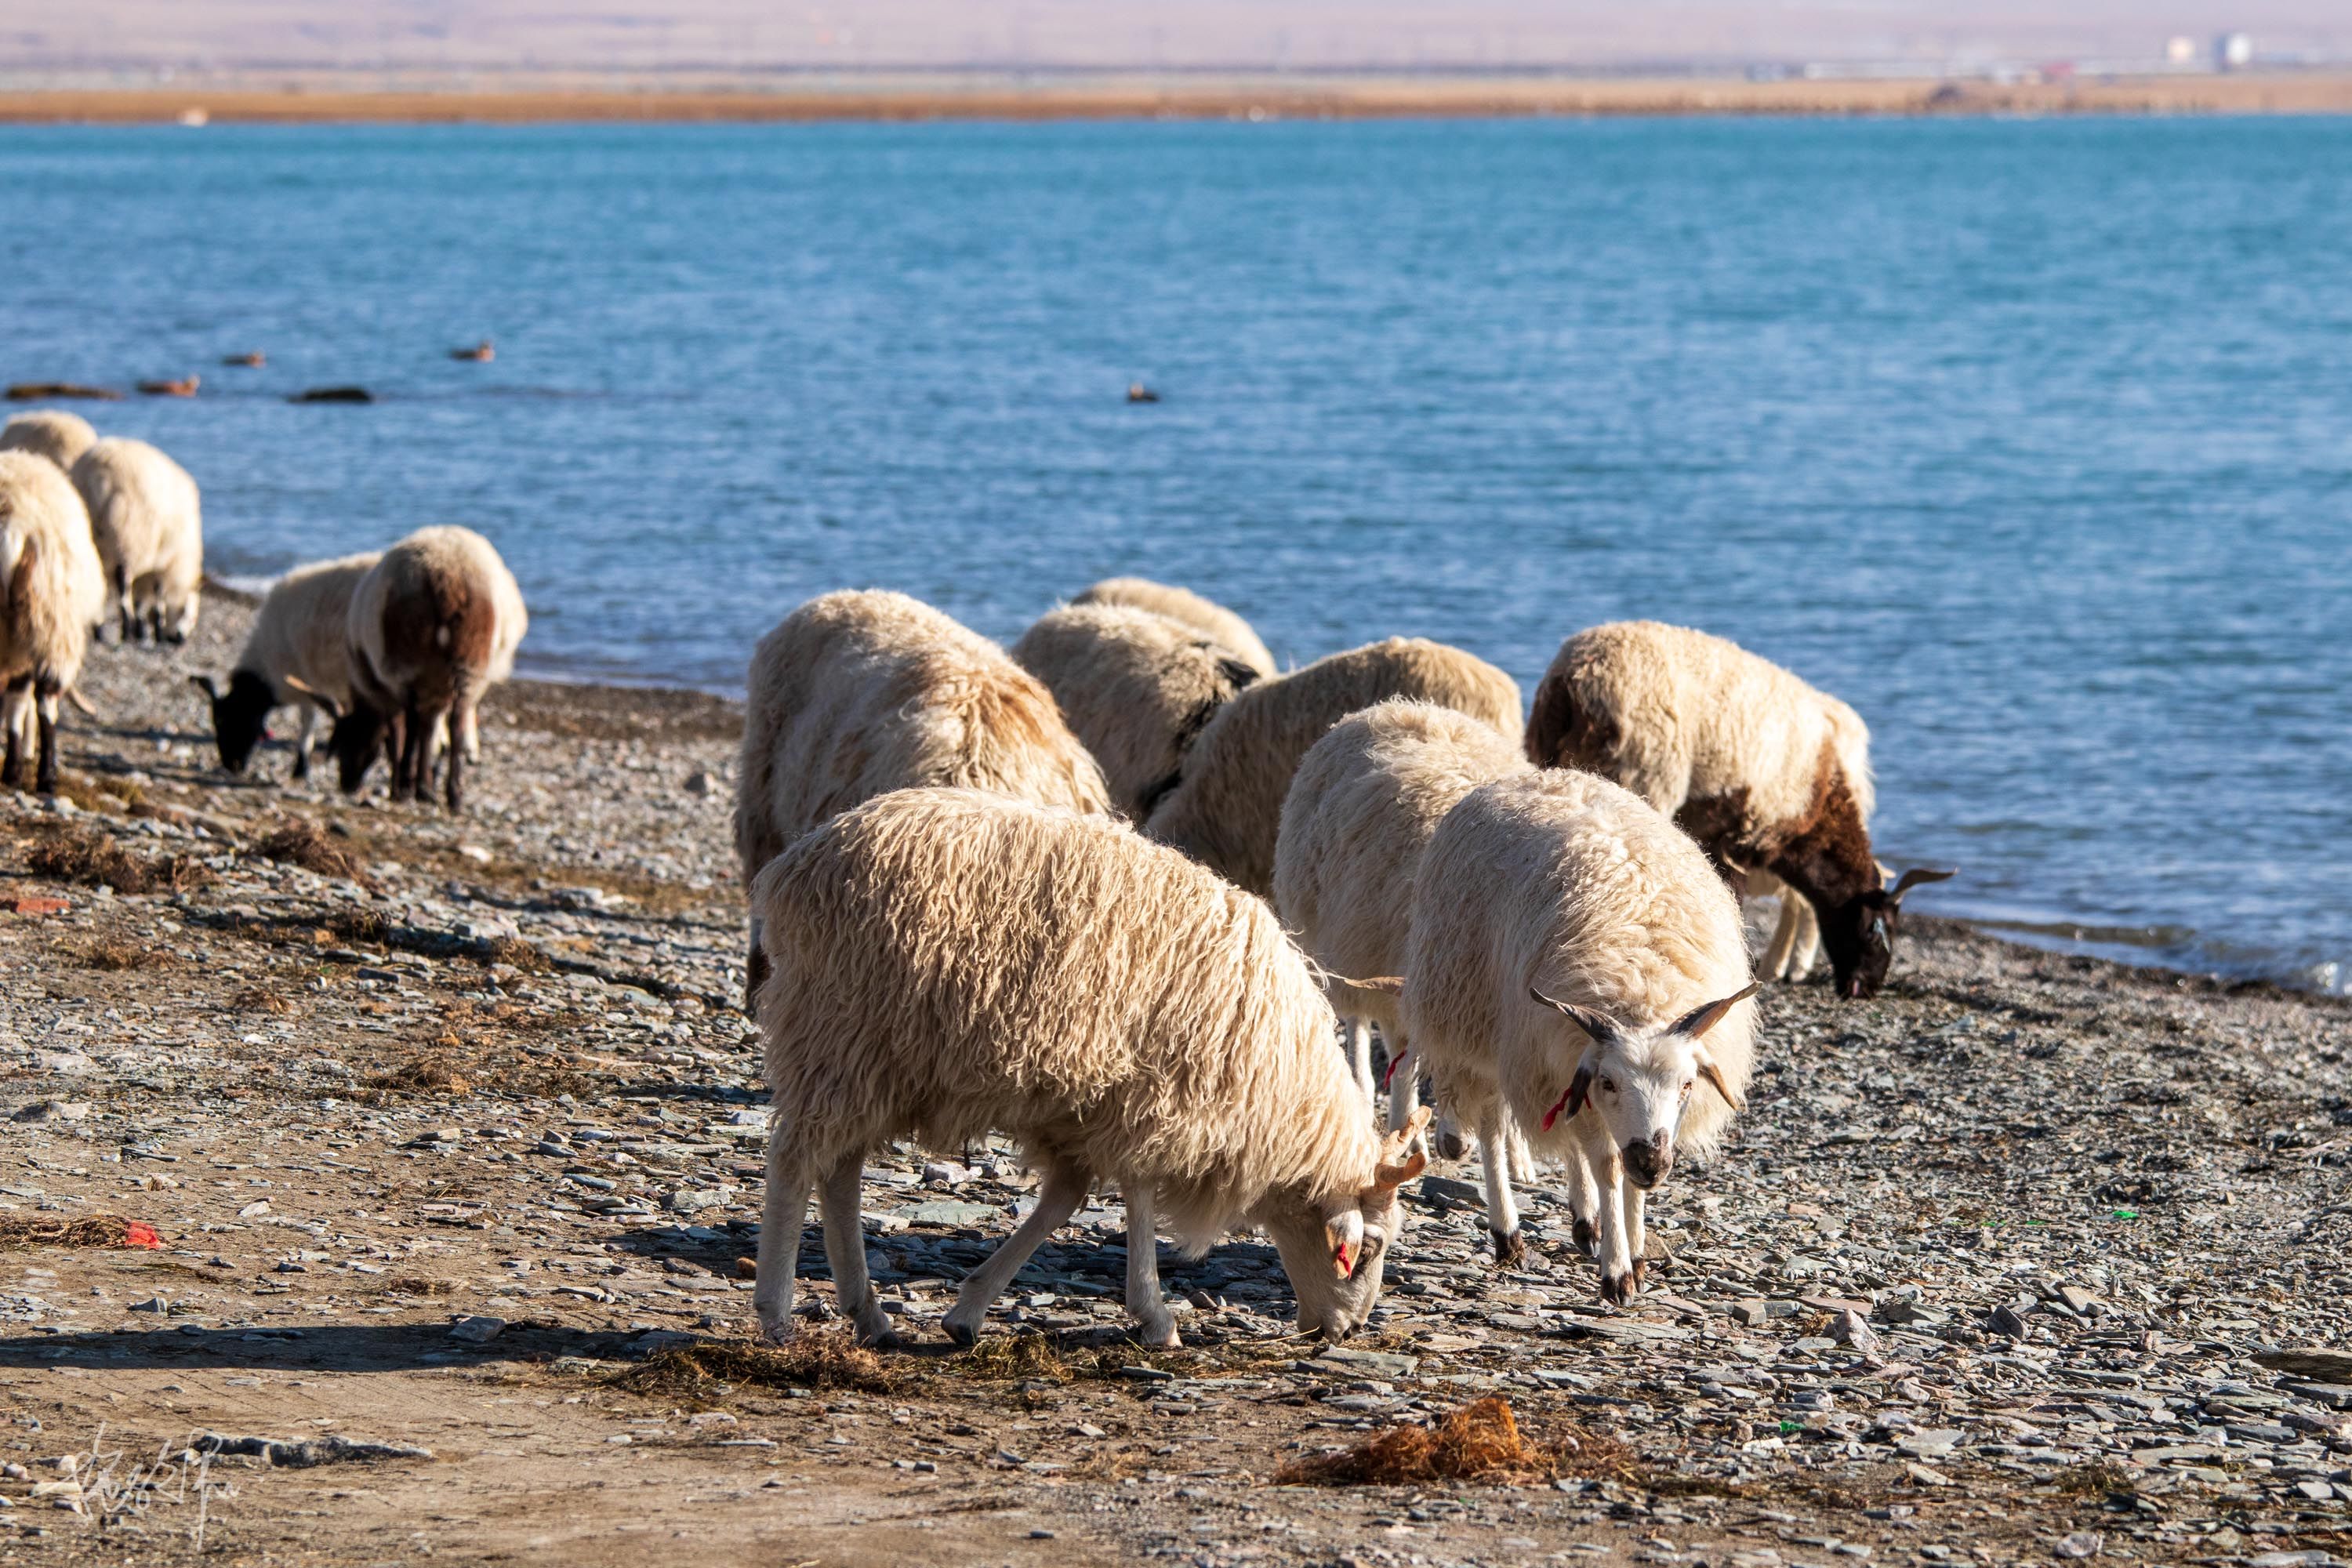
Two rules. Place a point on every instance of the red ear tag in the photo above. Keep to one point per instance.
(1557, 1107)
(1344, 1255)
(1395, 1062)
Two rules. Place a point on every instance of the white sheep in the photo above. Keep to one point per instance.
(51, 591)
(858, 693)
(1766, 772)
(431, 626)
(298, 651)
(57, 433)
(1576, 964)
(945, 964)
(1226, 809)
(1135, 687)
(1185, 607)
(148, 524)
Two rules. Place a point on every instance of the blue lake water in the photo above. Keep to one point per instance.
(2032, 440)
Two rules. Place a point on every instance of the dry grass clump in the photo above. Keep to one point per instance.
(417, 1285)
(302, 843)
(73, 853)
(53, 1230)
(1007, 1357)
(1479, 1442)
(254, 999)
(114, 955)
(430, 1074)
(819, 1359)
(517, 952)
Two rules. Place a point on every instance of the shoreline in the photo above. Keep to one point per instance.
(1111, 96)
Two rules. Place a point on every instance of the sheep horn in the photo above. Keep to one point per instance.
(1386, 984)
(81, 704)
(1599, 1030)
(334, 709)
(1405, 1154)
(1698, 1021)
(1914, 877)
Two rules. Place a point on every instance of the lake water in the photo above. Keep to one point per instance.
(2034, 440)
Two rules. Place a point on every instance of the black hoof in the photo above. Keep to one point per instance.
(1588, 1239)
(962, 1335)
(1451, 1144)
(1511, 1250)
(1641, 1273)
(1617, 1290)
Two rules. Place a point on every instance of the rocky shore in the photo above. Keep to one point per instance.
(447, 1133)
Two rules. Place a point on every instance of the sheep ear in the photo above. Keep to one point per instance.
(207, 685)
(1580, 1088)
(1345, 1232)
(1914, 877)
(1599, 1030)
(1405, 1152)
(1714, 1075)
(1699, 1021)
(1242, 674)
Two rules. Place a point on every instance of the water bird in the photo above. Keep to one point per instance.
(252, 358)
(25, 391)
(482, 353)
(184, 387)
(1139, 393)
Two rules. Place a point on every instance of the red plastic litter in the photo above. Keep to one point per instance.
(31, 904)
(139, 1234)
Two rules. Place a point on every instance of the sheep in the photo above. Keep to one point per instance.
(1573, 962)
(51, 591)
(1135, 687)
(299, 651)
(1185, 607)
(1360, 808)
(944, 963)
(860, 692)
(1226, 810)
(1766, 772)
(57, 433)
(148, 524)
(432, 625)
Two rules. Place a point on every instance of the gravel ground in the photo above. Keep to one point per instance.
(450, 1133)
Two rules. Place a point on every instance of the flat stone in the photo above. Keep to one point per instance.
(1935, 1444)
(477, 1330)
(1849, 1328)
(2335, 1396)
(2006, 1319)
(1372, 1364)
(1449, 1192)
(2317, 1362)
(948, 1212)
(2082, 1544)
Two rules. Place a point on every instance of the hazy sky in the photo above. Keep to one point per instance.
(638, 34)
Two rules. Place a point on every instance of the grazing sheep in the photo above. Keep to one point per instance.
(1185, 607)
(148, 524)
(1135, 687)
(299, 651)
(946, 963)
(1766, 772)
(1575, 963)
(1361, 807)
(858, 693)
(57, 433)
(432, 625)
(51, 591)
(1226, 810)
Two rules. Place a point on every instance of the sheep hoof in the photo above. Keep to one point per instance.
(1617, 1290)
(963, 1334)
(1588, 1239)
(776, 1331)
(1641, 1274)
(878, 1339)
(1511, 1250)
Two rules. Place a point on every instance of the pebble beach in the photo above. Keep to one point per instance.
(380, 1185)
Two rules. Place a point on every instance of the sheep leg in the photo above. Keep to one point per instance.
(755, 973)
(1360, 1056)
(1059, 1195)
(783, 1209)
(845, 1248)
(471, 729)
(1637, 1233)
(1808, 938)
(406, 783)
(45, 778)
(1777, 951)
(309, 734)
(1583, 1202)
(395, 743)
(457, 793)
(1502, 1206)
(1521, 1160)
(1617, 1281)
(16, 712)
(1404, 1080)
(1154, 1326)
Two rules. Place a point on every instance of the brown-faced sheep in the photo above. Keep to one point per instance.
(946, 963)
(858, 693)
(148, 524)
(1226, 810)
(51, 591)
(56, 433)
(1766, 772)
(430, 627)
(1185, 607)
(1575, 963)
(1135, 687)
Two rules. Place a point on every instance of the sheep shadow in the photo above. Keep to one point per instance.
(397, 1347)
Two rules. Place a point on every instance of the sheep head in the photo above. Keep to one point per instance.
(1859, 934)
(1638, 1081)
(1336, 1253)
(240, 715)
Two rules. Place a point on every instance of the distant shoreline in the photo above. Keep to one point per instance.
(246, 102)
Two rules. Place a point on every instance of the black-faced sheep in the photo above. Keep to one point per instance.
(948, 964)
(1766, 772)
(148, 524)
(299, 651)
(51, 591)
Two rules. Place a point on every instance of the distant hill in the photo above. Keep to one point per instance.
(754, 34)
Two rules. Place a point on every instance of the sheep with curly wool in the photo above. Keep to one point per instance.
(51, 592)
(945, 964)
(1576, 963)
(299, 652)
(1226, 808)
(858, 693)
(1360, 811)
(432, 625)
(57, 433)
(1135, 687)
(1186, 608)
(147, 520)
(1766, 772)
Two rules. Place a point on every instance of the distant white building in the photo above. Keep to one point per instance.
(2180, 51)
(2233, 51)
